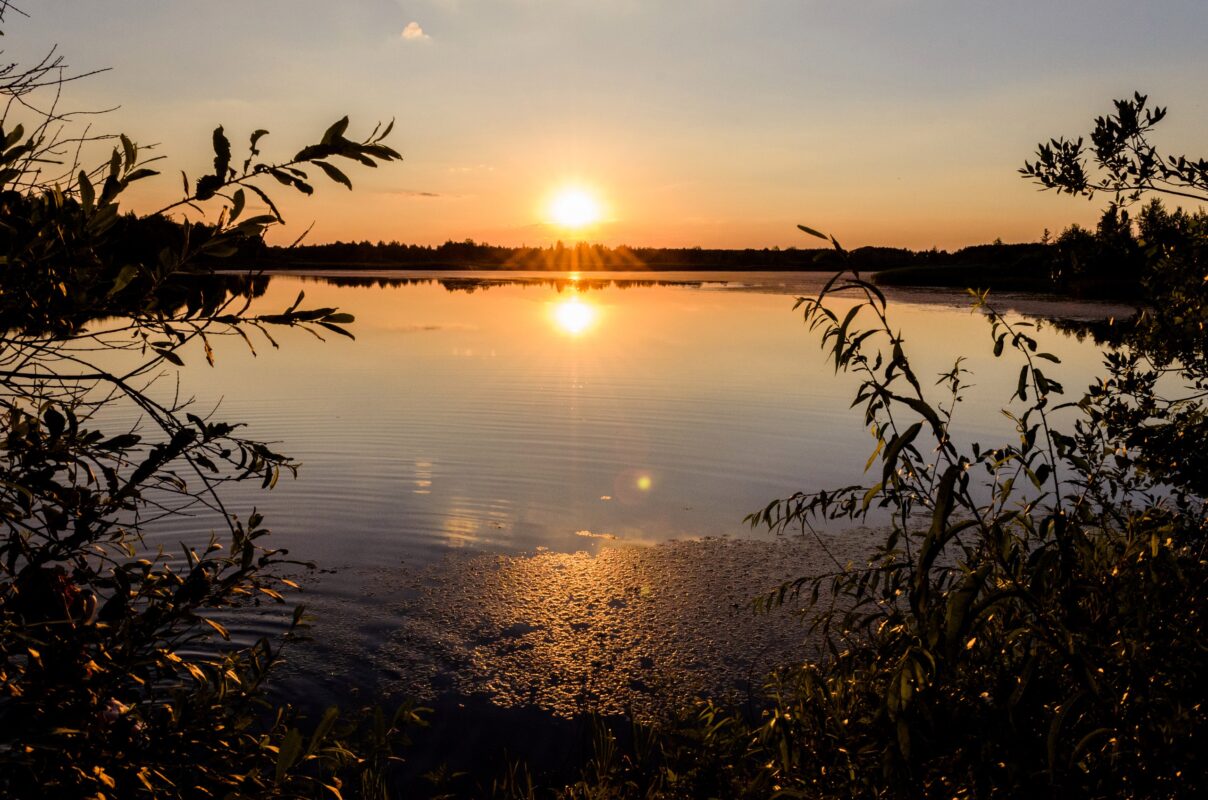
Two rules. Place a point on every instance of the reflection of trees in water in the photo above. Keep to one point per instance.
(471, 285)
(1166, 337)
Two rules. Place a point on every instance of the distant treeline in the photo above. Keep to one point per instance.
(469, 285)
(1107, 262)
(585, 257)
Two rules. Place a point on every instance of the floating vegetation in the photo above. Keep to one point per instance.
(632, 629)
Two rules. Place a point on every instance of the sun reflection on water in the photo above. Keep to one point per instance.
(574, 316)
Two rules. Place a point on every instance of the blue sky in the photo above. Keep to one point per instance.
(896, 122)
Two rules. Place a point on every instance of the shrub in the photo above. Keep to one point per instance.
(1033, 621)
(116, 680)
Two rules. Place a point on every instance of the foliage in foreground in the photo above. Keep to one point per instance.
(1033, 624)
(116, 677)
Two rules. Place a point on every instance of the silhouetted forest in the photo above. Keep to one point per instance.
(583, 256)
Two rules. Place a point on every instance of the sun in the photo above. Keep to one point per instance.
(574, 207)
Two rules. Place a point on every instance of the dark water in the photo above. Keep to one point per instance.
(478, 434)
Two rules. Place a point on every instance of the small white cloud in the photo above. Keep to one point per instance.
(414, 33)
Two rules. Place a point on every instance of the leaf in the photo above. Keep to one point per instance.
(55, 422)
(87, 192)
(924, 410)
(291, 748)
(939, 533)
(381, 151)
(103, 219)
(335, 132)
(222, 155)
(895, 448)
(333, 173)
(218, 627)
(336, 329)
(873, 456)
(869, 495)
(122, 442)
(208, 186)
(237, 202)
(139, 174)
(1085, 741)
(130, 151)
(287, 179)
(960, 600)
(170, 356)
(127, 274)
(254, 226)
(1054, 737)
(323, 729)
(100, 773)
(813, 232)
(13, 137)
(267, 201)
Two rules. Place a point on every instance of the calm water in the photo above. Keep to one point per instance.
(520, 417)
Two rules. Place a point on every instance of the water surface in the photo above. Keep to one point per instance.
(543, 414)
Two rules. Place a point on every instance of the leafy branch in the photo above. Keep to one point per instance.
(1125, 163)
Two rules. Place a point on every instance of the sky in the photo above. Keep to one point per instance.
(691, 122)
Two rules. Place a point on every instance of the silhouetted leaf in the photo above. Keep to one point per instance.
(87, 193)
(333, 173)
(127, 274)
(335, 132)
(222, 155)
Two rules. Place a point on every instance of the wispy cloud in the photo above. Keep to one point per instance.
(413, 193)
(414, 33)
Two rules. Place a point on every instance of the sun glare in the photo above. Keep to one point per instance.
(574, 207)
(574, 316)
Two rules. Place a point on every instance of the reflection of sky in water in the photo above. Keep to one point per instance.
(552, 418)
(517, 416)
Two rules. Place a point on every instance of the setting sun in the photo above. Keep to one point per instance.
(574, 207)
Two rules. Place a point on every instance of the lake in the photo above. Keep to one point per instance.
(486, 434)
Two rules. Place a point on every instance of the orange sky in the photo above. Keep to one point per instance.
(712, 123)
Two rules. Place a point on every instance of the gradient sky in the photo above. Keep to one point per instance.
(697, 122)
